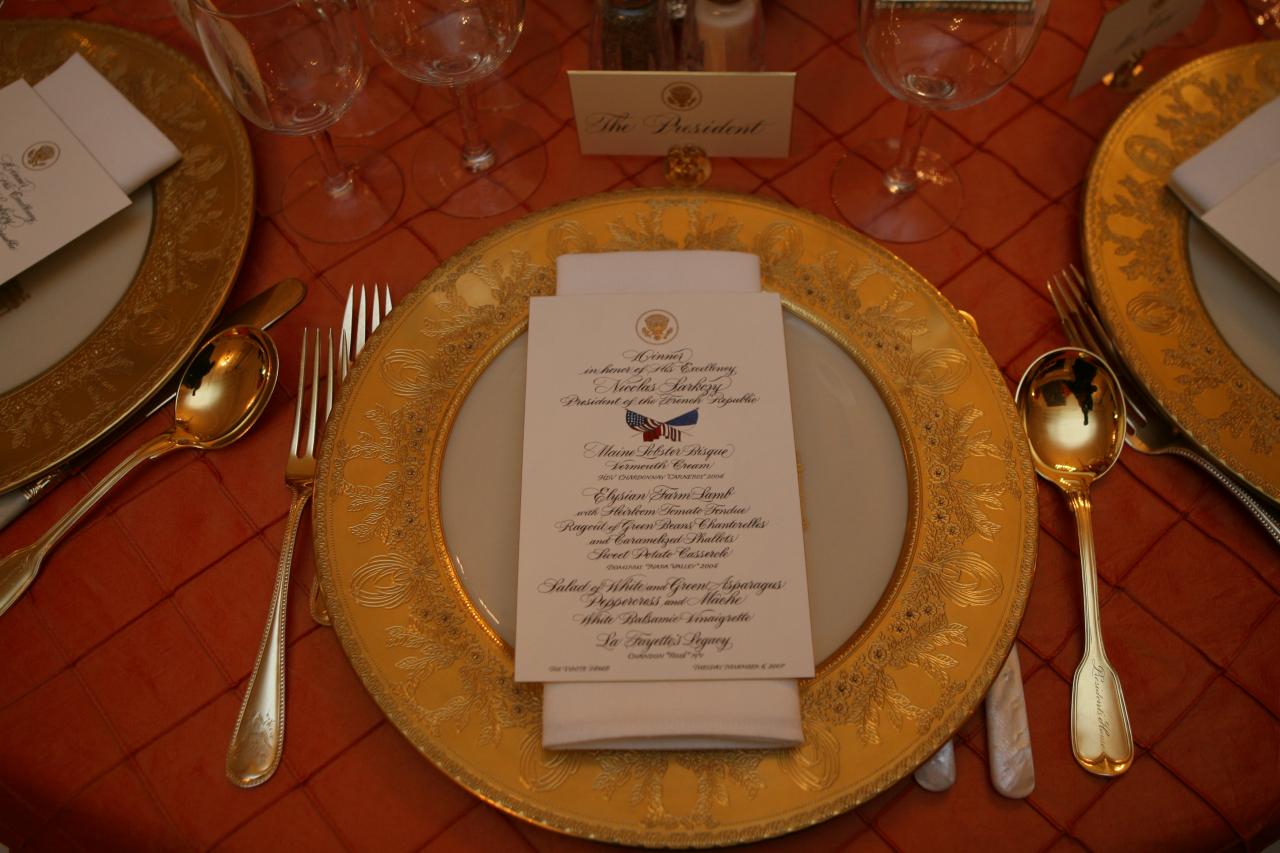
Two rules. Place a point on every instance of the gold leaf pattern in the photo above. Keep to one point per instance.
(1135, 237)
(203, 212)
(452, 681)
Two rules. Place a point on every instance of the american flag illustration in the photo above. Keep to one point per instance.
(653, 430)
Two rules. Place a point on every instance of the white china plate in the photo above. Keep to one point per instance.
(64, 298)
(844, 437)
(1242, 305)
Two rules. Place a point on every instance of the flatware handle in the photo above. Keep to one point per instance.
(939, 772)
(257, 743)
(1255, 507)
(1100, 736)
(1009, 760)
(20, 568)
(12, 504)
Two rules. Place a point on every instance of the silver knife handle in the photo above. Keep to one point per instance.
(939, 772)
(1009, 758)
(12, 505)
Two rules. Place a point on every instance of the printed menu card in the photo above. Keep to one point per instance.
(52, 189)
(660, 533)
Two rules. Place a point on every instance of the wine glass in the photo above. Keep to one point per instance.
(935, 56)
(458, 168)
(294, 67)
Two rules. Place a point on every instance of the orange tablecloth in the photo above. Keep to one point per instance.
(121, 669)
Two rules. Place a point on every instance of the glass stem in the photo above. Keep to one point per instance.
(338, 180)
(477, 153)
(901, 177)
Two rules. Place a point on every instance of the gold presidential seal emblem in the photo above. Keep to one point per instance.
(657, 326)
(681, 96)
(41, 155)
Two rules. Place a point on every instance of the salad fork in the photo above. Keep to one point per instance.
(1149, 430)
(352, 345)
(258, 739)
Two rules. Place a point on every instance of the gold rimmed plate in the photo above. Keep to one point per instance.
(917, 493)
(1196, 326)
(89, 334)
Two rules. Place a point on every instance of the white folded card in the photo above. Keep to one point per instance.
(52, 190)
(72, 148)
(1233, 186)
(120, 137)
(687, 714)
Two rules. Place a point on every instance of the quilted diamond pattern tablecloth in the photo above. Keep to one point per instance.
(121, 669)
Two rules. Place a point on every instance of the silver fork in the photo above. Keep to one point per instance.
(258, 740)
(1149, 430)
(352, 345)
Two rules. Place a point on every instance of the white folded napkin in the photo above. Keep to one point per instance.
(721, 714)
(125, 143)
(1233, 187)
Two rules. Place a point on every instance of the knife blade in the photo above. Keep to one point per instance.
(262, 311)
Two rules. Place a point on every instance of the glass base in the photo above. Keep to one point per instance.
(529, 72)
(369, 203)
(520, 164)
(858, 189)
(387, 97)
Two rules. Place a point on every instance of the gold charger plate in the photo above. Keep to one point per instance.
(885, 701)
(203, 213)
(1135, 241)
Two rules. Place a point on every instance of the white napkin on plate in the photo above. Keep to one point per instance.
(719, 714)
(125, 143)
(1233, 187)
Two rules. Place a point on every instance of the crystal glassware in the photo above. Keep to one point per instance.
(935, 55)
(294, 67)
(459, 167)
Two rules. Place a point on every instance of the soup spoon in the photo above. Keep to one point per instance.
(225, 387)
(1073, 413)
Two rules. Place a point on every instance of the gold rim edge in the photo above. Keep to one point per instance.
(145, 291)
(960, 707)
(1124, 335)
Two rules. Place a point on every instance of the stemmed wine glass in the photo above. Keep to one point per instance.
(458, 168)
(935, 55)
(294, 67)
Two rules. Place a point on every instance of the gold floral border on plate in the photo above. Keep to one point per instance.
(881, 705)
(1135, 241)
(203, 214)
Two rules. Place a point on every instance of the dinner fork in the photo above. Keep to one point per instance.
(353, 344)
(258, 740)
(1149, 430)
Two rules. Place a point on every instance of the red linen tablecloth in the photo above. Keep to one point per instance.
(121, 669)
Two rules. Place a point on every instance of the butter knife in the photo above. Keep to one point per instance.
(262, 311)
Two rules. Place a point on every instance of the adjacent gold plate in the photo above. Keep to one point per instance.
(203, 213)
(878, 707)
(1135, 240)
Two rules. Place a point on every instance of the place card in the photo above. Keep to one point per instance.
(52, 189)
(660, 533)
(727, 114)
(1128, 31)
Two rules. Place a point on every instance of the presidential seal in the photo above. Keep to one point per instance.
(681, 96)
(41, 155)
(657, 326)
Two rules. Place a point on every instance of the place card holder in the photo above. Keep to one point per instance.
(1127, 31)
(682, 79)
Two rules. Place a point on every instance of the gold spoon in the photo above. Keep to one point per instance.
(225, 387)
(1073, 413)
